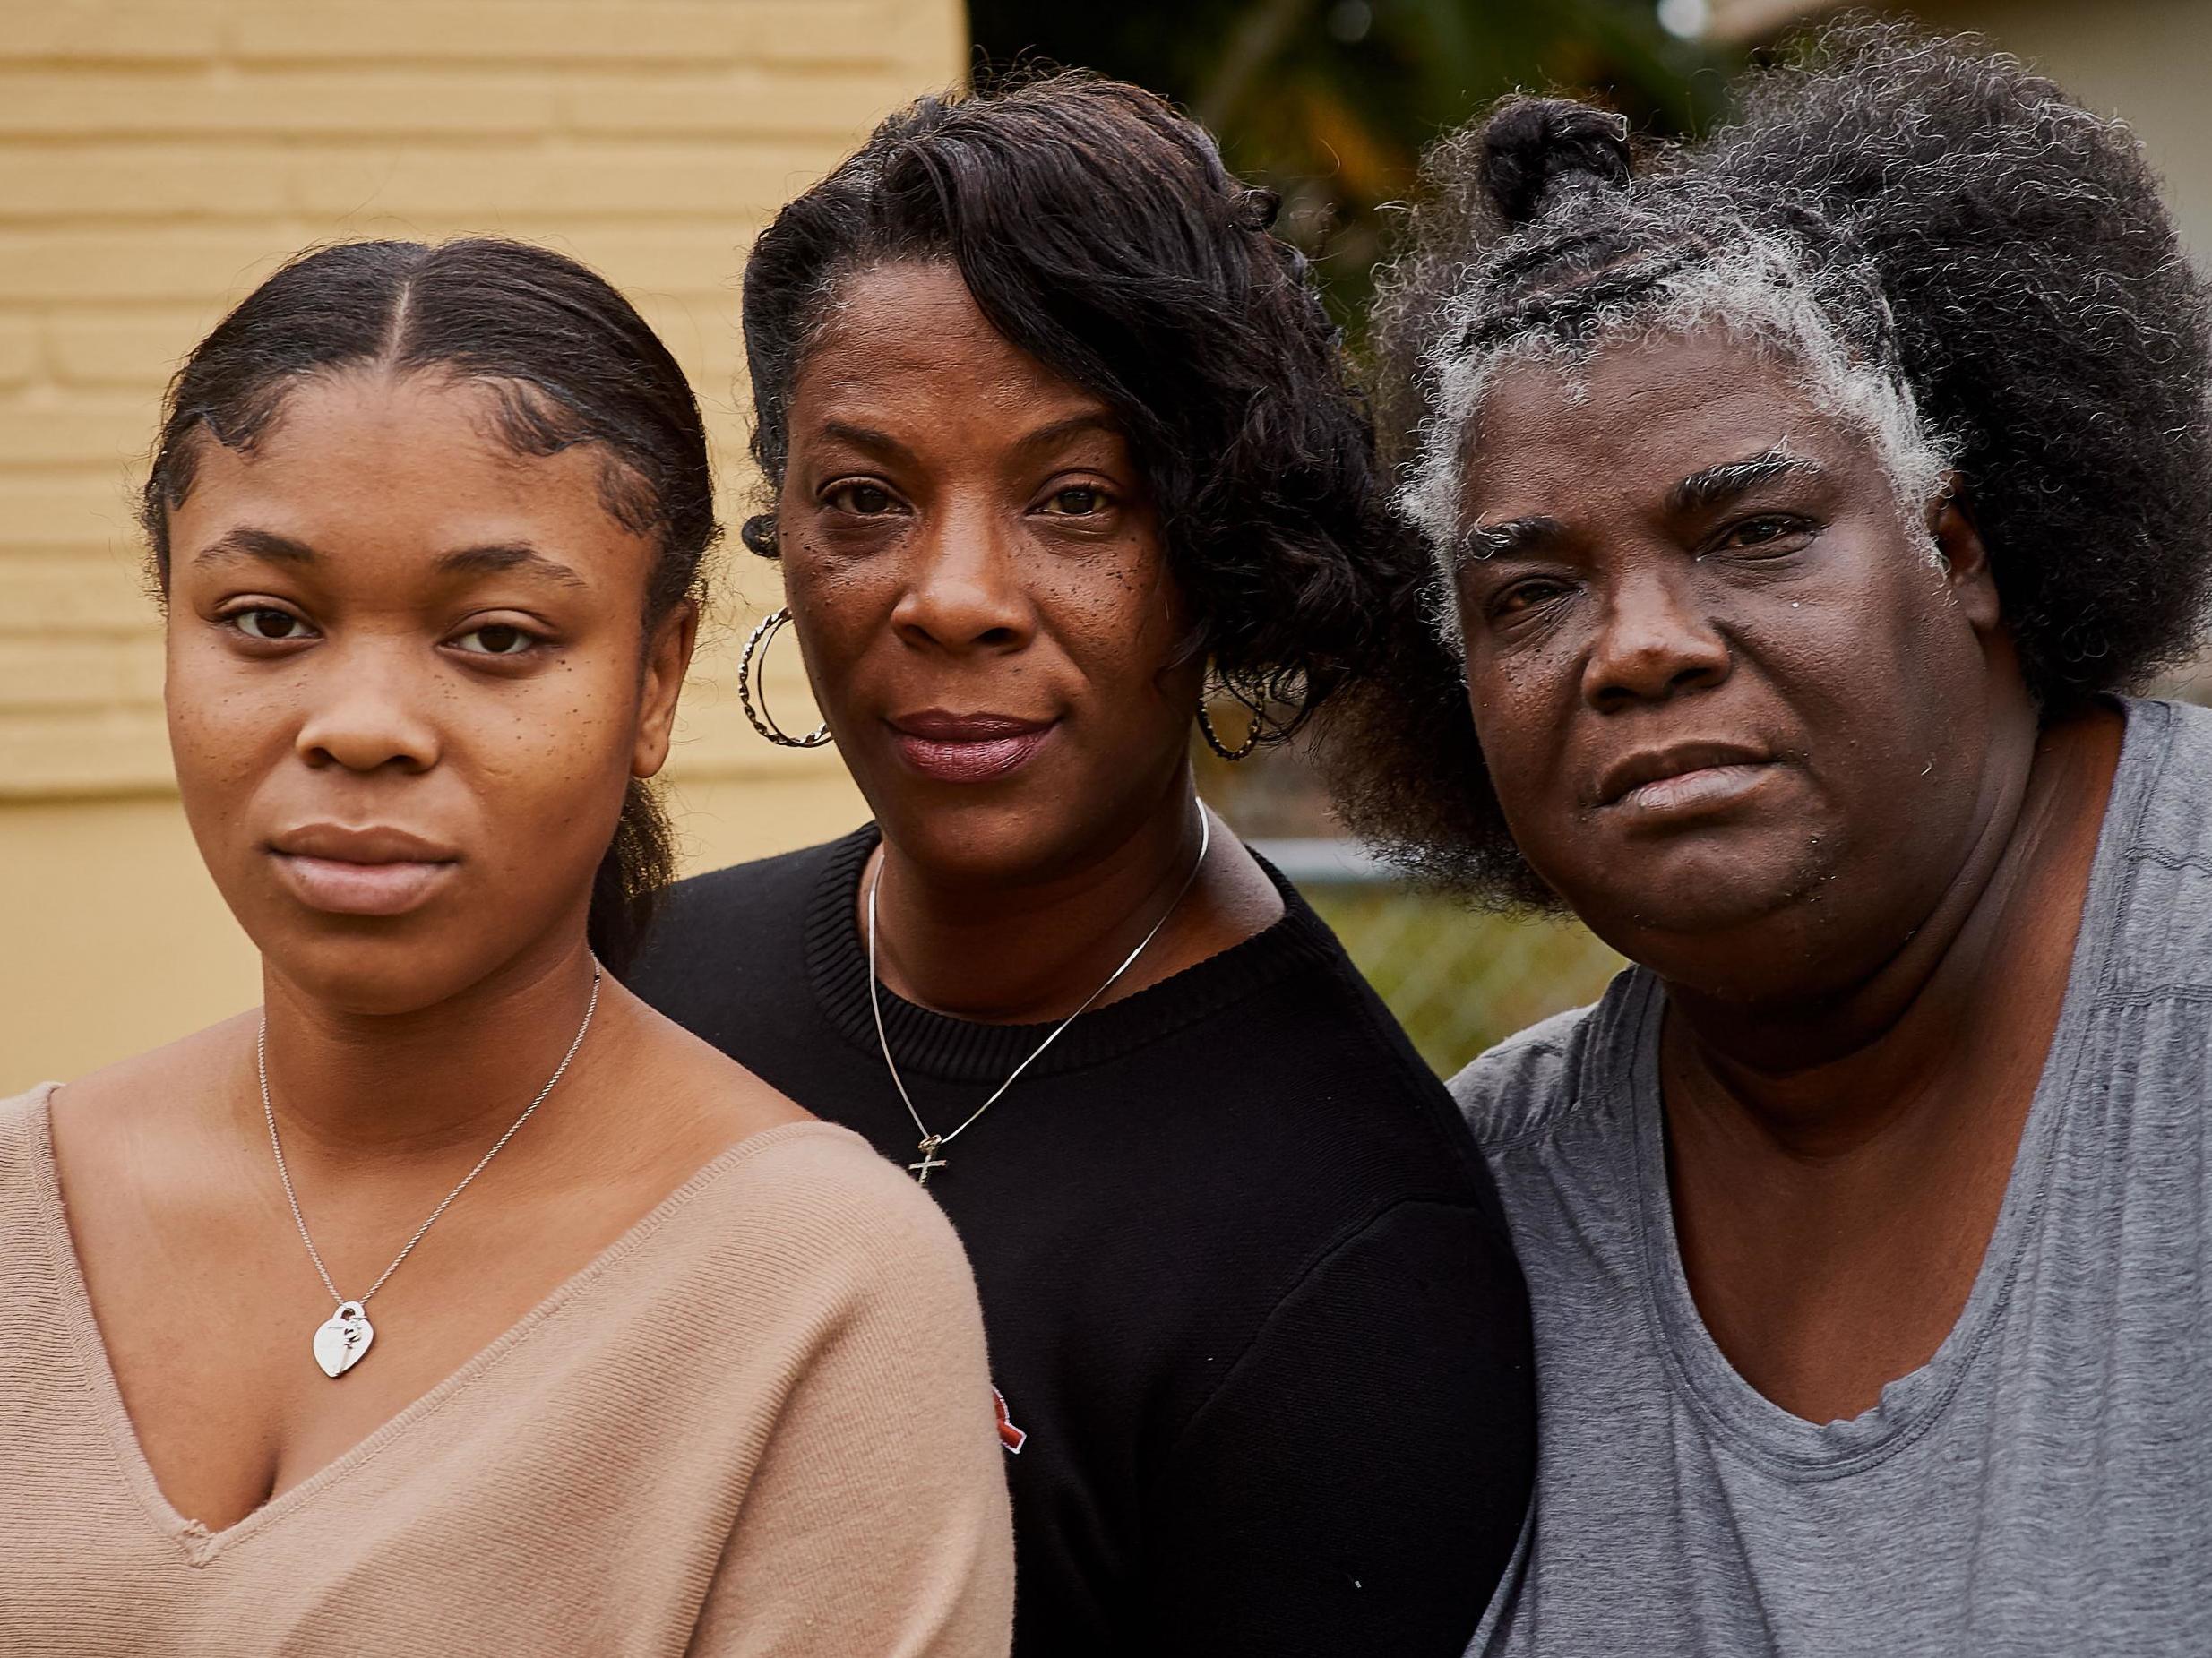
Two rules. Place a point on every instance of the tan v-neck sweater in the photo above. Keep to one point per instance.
(760, 1422)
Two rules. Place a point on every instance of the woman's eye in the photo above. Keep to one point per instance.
(1526, 596)
(499, 639)
(864, 500)
(275, 626)
(1076, 501)
(1763, 532)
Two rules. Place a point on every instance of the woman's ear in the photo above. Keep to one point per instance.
(667, 658)
(1965, 561)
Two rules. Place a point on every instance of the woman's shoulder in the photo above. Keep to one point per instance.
(18, 1110)
(1319, 1025)
(810, 1211)
(720, 939)
(813, 1173)
(1532, 1081)
(798, 1253)
(133, 1097)
(119, 1117)
(22, 1130)
(749, 891)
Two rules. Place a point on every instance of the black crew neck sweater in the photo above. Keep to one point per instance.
(1260, 1345)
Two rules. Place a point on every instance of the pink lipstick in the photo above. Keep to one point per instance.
(967, 748)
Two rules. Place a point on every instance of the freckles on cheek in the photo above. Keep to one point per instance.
(223, 735)
(841, 609)
(549, 770)
(1128, 610)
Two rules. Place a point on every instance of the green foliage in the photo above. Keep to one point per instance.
(1329, 102)
(1460, 980)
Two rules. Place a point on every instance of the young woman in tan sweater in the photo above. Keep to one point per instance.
(455, 1301)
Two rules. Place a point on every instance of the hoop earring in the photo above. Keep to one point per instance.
(1213, 738)
(762, 721)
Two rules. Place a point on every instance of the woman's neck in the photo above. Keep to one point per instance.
(1030, 950)
(348, 1085)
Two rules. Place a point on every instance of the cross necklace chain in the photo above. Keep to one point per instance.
(931, 1143)
(343, 1338)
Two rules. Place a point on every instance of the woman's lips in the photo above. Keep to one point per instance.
(1685, 778)
(1702, 790)
(972, 748)
(340, 887)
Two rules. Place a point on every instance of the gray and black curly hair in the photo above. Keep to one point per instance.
(1951, 254)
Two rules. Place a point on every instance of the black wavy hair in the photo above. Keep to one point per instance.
(1965, 230)
(1098, 230)
(571, 362)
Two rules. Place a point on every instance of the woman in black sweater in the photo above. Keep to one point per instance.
(1056, 429)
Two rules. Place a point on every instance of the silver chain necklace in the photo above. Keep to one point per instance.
(342, 1338)
(931, 1143)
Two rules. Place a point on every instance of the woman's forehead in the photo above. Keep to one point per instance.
(914, 370)
(1637, 418)
(387, 465)
(357, 422)
(904, 332)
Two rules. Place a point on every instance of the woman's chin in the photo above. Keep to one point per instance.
(1670, 908)
(373, 973)
(991, 846)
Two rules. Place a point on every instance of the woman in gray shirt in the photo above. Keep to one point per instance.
(1801, 503)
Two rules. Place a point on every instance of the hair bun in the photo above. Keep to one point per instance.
(1255, 208)
(1534, 148)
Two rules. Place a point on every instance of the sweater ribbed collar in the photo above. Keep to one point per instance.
(956, 1050)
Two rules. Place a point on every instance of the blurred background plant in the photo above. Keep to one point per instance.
(1329, 102)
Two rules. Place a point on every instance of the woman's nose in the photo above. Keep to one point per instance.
(368, 711)
(1655, 641)
(965, 589)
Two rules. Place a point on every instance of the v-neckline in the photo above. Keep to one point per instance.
(193, 1541)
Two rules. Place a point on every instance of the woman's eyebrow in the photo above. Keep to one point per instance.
(1482, 542)
(1717, 485)
(1059, 431)
(241, 541)
(867, 438)
(509, 556)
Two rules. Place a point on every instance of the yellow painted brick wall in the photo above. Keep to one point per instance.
(157, 158)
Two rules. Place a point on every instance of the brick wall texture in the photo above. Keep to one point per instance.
(156, 159)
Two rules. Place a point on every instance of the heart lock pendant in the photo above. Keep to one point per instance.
(343, 1339)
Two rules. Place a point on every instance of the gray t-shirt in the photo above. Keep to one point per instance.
(2044, 1484)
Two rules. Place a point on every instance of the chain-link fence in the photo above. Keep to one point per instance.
(1458, 981)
